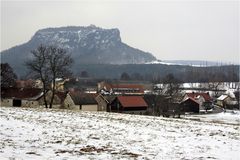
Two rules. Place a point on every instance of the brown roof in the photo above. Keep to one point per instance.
(194, 95)
(132, 101)
(21, 93)
(80, 98)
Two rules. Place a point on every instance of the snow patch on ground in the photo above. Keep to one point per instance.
(64, 134)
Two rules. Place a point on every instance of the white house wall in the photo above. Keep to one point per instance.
(93, 107)
(6, 103)
(27, 103)
(69, 104)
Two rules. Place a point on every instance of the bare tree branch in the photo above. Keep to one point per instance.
(49, 63)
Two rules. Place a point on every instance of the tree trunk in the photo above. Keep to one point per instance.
(53, 93)
(44, 97)
(44, 91)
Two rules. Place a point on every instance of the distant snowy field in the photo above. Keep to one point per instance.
(61, 134)
(228, 117)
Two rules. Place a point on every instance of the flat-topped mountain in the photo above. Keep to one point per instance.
(87, 45)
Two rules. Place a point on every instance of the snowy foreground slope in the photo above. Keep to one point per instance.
(59, 134)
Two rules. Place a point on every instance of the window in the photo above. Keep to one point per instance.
(17, 103)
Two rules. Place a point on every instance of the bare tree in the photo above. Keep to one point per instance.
(8, 77)
(49, 63)
(171, 85)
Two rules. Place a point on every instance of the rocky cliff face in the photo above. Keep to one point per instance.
(87, 45)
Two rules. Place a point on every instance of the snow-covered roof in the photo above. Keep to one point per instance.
(222, 97)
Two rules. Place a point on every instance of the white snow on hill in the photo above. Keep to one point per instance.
(170, 63)
(61, 134)
(193, 63)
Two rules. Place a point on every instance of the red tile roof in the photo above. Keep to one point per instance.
(194, 95)
(132, 101)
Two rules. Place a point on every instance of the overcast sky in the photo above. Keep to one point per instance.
(170, 30)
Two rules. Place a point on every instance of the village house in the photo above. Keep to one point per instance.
(189, 105)
(203, 99)
(120, 89)
(84, 101)
(104, 101)
(59, 86)
(38, 84)
(30, 83)
(226, 101)
(128, 104)
(61, 100)
(21, 97)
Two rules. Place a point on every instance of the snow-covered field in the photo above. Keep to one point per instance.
(228, 117)
(61, 134)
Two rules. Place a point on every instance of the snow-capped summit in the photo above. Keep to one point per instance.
(77, 37)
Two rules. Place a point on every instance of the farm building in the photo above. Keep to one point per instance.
(128, 104)
(226, 101)
(203, 99)
(84, 101)
(190, 105)
(20, 97)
